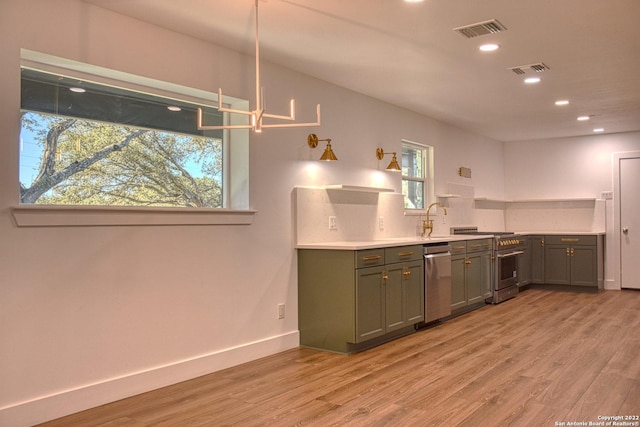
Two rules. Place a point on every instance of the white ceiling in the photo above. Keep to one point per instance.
(407, 54)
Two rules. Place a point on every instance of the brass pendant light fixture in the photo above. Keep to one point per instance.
(393, 165)
(328, 155)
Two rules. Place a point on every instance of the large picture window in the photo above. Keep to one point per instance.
(417, 175)
(87, 143)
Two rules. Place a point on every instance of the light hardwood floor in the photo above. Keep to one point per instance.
(546, 356)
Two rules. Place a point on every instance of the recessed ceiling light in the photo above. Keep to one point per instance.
(489, 47)
(583, 118)
(598, 130)
(174, 108)
(562, 102)
(414, 1)
(532, 80)
(77, 89)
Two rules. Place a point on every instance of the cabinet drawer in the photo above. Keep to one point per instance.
(570, 240)
(479, 245)
(403, 253)
(459, 247)
(369, 258)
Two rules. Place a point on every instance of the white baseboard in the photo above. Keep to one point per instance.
(612, 285)
(65, 402)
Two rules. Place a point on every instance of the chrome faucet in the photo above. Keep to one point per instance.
(427, 224)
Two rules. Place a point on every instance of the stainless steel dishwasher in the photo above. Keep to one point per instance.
(437, 282)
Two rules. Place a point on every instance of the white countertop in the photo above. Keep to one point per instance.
(388, 243)
(562, 233)
(406, 241)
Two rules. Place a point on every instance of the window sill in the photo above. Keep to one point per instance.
(88, 216)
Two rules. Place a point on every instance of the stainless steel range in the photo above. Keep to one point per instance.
(507, 247)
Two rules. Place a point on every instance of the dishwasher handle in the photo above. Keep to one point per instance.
(437, 249)
(510, 254)
(438, 255)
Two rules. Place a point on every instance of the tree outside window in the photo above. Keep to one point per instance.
(417, 174)
(106, 146)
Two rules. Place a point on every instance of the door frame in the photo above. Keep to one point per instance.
(617, 241)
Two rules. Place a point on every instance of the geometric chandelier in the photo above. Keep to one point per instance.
(257, 115)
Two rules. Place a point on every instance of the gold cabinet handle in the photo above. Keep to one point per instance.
(467, 261)
(407, 253)
(542, 242)
(371, 258)
(568, 251)
(476, 246)
(406, 273)
(572, 240)
(385, 276)
(572, 251)
(458, 247)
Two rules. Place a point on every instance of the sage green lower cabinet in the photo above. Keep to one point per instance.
(486, 265)
(351, 300)
(574, 260)
(458, 282)
(524, 263)
(370, 303)
(536, 258)
(470, 273)
(404, 295)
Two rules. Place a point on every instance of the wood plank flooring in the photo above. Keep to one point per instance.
(546, 356)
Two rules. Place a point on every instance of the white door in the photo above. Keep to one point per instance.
(630, 222)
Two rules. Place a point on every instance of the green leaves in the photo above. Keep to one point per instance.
(83, 162)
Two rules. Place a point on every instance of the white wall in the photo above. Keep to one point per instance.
(93, 314)
(578, 167)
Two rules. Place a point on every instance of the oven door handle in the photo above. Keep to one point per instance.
(514, 253)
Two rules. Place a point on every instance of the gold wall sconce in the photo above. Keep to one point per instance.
(328, 154)
(393, 166)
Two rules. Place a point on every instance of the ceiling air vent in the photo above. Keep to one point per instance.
(523, 69)
(481, 28)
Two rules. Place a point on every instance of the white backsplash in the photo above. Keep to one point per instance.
(358, 215)
(577, 215)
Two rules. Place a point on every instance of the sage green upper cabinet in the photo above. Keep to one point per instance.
(573, 260)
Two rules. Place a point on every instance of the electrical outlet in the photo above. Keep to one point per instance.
(333, 224)
(607, 195)
(381, 223)
(281, 311)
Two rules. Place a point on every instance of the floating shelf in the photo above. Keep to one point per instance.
(448, 196)
(485, 199)
(552, 200)
(358, 188)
